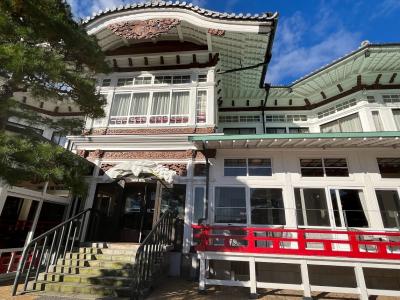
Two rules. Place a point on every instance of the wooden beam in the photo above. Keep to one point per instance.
(115, 64)
(130, 61)
(393, 78)
(146, 61)
(308, 103)
(378, 78)
(161, 60)
(178, 60)
(339, 86)
(359, 80)
(323, 95)
(194, 58)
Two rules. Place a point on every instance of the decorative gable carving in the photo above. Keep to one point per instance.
(141, 30)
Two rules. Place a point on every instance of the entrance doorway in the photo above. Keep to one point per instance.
(138, 211)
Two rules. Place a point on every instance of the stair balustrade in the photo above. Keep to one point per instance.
(46, 249)
(151, 253)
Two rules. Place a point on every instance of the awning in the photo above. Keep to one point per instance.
(299, 140)
(136, 169)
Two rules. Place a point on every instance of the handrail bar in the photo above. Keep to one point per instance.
(59, 226)
(38, 255)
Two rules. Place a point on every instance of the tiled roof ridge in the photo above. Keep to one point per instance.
(267, 16)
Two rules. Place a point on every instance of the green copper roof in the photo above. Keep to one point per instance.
(330, 135)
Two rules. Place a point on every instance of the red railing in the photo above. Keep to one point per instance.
(310, 242)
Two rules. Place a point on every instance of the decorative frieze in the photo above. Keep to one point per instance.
(150, 131)
(144, 29)
(216, 32)
(120, 155)
(180, 169)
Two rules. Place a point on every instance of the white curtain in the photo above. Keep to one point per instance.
(396, 115)
(120, 105)
(201, 106)
(351, 124)
(377, 121)
(139, 104)
(180, 103)
(160, 104)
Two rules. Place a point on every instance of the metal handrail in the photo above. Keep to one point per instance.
(37, 256)
(151, 252)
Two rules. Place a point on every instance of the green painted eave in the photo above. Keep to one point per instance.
(330, 135)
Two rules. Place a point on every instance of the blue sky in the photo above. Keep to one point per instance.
(311, 33)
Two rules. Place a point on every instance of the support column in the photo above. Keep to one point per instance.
(253, 278)
(305, 280)
(202, 275)
(34, 223)
(89, 204)
(362, 287)
(187, 229)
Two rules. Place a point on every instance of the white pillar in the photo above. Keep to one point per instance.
(362, 288)
(305, 280)
(202, 275)
(34, 224)
(187, 229)
(89, 204)
(253, 278)
(3, 196)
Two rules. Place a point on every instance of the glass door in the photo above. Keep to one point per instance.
(348, 208)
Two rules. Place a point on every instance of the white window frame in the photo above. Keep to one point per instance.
(323, 167)
(247, 167)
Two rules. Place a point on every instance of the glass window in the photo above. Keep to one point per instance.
(267, 207)
(259, 167)
(120, 105)
(275, 130)
(106, 82)
(311, 207)
(125, 81)
(239, 131)
(139, 106)
(275, 118)
(371, 99)
(180, 107)
(331, 167)
(59, 138)
(311, 168)
(160, 107)
(181, 79)
(389, 205)
(163, 80)
(396, 115)
(142, 80)
(230, 205)
(200, 170)
(202, 78)
(350, 123)
(235, 167)
(299, 130)
(199, 204)
(351, 208)
(391, 98)
(389, 167)
(201, 107)
(377, 121)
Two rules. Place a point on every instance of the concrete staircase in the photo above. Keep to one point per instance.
(94, 271)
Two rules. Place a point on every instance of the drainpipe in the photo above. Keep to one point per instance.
(267, 88)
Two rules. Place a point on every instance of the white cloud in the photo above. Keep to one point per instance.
(385, 8)
(303, 46)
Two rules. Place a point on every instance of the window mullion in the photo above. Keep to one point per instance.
(303, 207)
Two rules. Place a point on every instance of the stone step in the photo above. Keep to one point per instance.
(106, 264)
(102, 245)
(58, 296)
(95, 271)
(113, 281)
(105, 257)
(82, 289)
(109, 251)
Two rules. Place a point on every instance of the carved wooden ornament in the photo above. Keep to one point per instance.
(216, 32)
(141, 30)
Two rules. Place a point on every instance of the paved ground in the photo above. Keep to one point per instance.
(180, 289)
